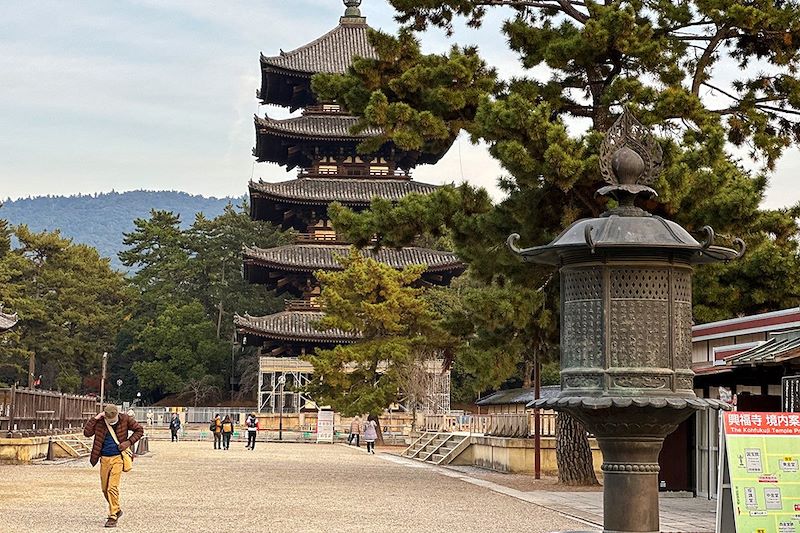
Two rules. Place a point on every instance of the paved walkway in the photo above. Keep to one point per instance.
(188, 486)
(678, 514)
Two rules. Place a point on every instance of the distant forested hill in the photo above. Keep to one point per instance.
(100, 220)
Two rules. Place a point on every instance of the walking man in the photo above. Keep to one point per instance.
(108, 453)
(175, 426)
(252, 431)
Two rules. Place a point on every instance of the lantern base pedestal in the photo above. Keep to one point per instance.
(631, 439)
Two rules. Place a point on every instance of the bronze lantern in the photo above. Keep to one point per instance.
(626, 319)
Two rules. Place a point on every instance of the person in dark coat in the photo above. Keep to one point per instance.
(108, 453)
(175, 426)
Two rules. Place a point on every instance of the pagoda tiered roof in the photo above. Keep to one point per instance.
(313, 257)
(319, 127)
(297, 326)
(7, 321)
(291, 141)
(332, 53)
(286, 78)
(347, 191)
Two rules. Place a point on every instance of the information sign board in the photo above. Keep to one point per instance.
(325, 426)
(760, 478)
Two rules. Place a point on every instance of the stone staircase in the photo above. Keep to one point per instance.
(437, 448)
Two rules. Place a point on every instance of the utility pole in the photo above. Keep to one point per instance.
(281, 382)
(31, 369)
(103, 379)
(537, 419)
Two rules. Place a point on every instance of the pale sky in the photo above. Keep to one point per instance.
(158, 94)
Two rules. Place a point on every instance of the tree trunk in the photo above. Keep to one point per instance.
(573, 454)
(527, 376)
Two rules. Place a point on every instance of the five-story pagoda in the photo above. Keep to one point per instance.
(321, 144)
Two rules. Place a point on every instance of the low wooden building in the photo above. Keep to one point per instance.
(512, 401)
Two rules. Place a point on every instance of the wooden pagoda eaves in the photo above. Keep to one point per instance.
(294, 203)
(292, 326)
(286, 78)
(293, 142)
(347, 191)
(313, 257)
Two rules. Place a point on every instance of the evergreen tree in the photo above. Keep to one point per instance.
(664, 61)
(183, 353)
(178, 270)
(399, 333)
(70, 303)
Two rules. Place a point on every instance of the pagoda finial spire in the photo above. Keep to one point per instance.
(352, 10)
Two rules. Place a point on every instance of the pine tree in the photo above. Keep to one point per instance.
(663, 60)
(398, 333)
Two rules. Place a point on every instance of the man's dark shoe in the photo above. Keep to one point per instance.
(111, 523)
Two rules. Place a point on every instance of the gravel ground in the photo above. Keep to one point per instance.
(190, 487)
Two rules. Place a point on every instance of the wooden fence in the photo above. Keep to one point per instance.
(40, 411)
(499, 425)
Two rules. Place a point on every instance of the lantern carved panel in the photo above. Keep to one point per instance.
(626, 329)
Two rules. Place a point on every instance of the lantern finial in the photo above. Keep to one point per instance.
(630, 160)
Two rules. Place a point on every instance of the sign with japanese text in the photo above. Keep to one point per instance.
(763, 450)
(324, 426)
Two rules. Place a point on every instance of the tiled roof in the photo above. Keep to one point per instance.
(331, 53)
(780, 347)
(323, 127)
(7, 321)
(359, 191)
(291, 326)
(521, 395)
(311, 257)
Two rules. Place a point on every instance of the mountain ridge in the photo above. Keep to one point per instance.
(101, 219)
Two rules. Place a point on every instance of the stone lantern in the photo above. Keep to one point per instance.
(626, 319)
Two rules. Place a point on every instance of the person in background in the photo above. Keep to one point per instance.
(252, 431)
(371, 433)
(150, 417)
(355, 432)
(108, 453)
(216, 429)
(175, 426)
(227, 431)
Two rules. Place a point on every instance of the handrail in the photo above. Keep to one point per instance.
(500, 424)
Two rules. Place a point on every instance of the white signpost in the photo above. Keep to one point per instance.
(325, 426)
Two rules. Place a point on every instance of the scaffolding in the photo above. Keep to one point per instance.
(280, 380)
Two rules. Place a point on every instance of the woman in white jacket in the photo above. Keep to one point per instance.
(371, 433)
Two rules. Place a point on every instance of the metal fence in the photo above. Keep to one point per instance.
(499, 425)
(160, 416)
(40, 411)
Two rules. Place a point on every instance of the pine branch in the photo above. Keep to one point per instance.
(705, 59)
(565, 6)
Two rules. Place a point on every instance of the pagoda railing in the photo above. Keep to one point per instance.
(326, 109)
(320, 238)
(311, 238)
(372, 173)
(302, 305)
